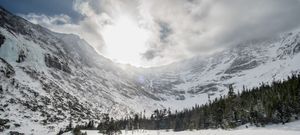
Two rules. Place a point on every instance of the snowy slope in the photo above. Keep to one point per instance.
(292, 128)
(188, 82)
(47, 77)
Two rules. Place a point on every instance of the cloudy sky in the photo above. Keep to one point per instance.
(157, 32)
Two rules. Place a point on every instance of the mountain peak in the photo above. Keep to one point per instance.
(54, 77)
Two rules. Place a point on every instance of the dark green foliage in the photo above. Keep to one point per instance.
(278, 102)
(108, 126)
(275, 103)
(76, 131)
(90, 125)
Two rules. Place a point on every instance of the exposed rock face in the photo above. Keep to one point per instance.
(54, 62)
(48, 78)
(15, 133)
(2, 39)
(241, 64)
(21, 56)
(3, 125)
(6, 69)
(290, 46)
(246, 64)
(3, 121)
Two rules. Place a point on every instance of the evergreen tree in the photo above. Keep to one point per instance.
(278, 102)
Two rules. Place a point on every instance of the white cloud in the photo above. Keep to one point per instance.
(88, 28)
(47, 20)
(190, 27)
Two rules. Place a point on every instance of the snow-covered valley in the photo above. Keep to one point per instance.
(46, 78)
(292, 128)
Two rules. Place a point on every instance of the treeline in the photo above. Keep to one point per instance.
(278, 102)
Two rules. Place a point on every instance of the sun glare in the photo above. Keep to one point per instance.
(124, 41)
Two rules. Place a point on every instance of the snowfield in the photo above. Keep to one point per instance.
(63, 77)
(292, 128)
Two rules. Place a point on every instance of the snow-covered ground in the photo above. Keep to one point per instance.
(292, 128)
(63, 76)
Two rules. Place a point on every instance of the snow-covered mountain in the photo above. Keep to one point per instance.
(245, 65)
(48, 77)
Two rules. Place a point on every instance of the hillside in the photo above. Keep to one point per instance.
(47, 77)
